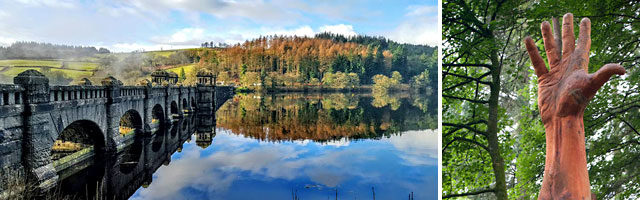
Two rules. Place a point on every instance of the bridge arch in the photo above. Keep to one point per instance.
(193, 103)
(157, 114)
(79, 139)
(81, 136)
(174, 108)
(130, 123)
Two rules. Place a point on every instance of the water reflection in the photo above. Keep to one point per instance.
(276, 146)
(237, 167)
(324, 117)
(118, 176)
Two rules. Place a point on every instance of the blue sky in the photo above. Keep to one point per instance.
(126, 25)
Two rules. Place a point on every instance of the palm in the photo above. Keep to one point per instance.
(566, 88)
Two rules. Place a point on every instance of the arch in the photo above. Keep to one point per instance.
(174, 107)
(157, 114)
(76, 140)
(81, 135)
(130, 123)
(193, 103)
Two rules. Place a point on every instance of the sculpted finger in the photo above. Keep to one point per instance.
(553, 55)
(556, 35)
(568, 38)
(584, 40)
(600, 77)
(536, 59)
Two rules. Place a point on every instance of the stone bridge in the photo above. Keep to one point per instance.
(46, 132)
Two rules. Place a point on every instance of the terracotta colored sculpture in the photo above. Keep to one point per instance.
(563, 93)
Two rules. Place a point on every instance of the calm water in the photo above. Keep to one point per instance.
(295, 145)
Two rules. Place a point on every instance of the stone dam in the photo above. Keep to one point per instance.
(48, 133)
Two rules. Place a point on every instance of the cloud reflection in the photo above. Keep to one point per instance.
(234, 159)
(417, 146)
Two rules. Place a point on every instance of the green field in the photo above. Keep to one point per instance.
(167, 53)
(73, 69)
(161, 53)
(13, 71)
(187, 69)
(85, 66)
(50, 63)
(75, 74)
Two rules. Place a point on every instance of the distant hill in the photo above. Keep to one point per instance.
(35, 50)
(272, 61)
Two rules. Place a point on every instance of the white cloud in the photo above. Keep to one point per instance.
(421, 10)
(193, 36)
(255, 10)
(343, 29)
(419, 26)
(187, 36)
(300, 31)
(423, 30)
(48, 3)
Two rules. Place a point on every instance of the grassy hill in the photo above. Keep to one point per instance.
(72, 69)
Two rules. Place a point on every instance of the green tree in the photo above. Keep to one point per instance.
(490, 110)
(473, 150)
(341, 80)
(399, 61)
(183, 75)
(383, 84)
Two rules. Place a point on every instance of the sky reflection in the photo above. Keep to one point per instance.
(237, 167)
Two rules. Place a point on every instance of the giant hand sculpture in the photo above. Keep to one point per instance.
(563, 93)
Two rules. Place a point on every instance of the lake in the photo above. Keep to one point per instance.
(284, 146)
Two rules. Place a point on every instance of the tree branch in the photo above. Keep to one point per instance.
(465, 99)
(479, 79)
(468, 193)
(465, 126)
(466, 65)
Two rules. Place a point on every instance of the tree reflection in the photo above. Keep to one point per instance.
(324, 117)
(383, 98)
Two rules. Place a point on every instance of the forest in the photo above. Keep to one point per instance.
(273, 61)
(493, 137)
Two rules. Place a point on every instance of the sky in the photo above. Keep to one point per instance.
(128, 25)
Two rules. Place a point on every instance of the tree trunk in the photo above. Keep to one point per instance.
(492, 130)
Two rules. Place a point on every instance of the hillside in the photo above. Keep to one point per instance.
(274, 61)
